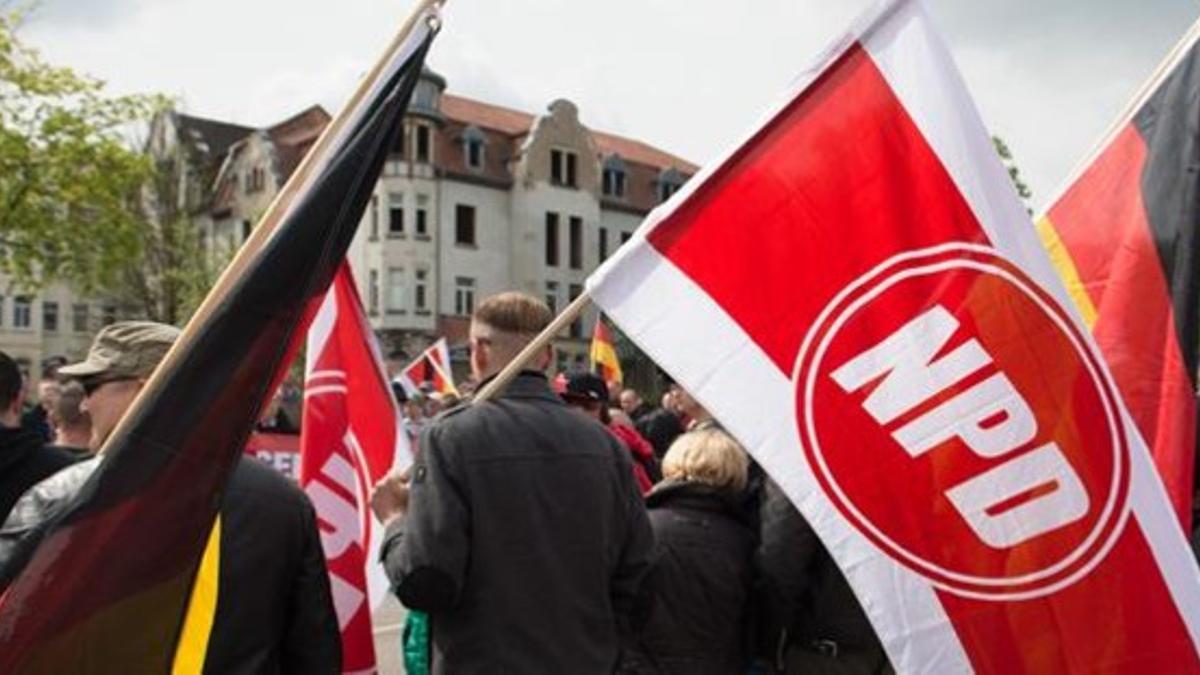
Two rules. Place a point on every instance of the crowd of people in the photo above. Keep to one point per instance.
(561, 527)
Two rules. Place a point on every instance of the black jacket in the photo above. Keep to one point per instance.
(274, 611)
(696, 601)
(525, 539)
(24, 462)
(805, 596)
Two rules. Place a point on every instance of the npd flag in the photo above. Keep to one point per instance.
(857, 294)
(349, 440)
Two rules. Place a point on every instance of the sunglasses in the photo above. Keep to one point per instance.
(90, 386)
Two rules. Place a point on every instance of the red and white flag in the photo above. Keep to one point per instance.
(857, 294)
(431, 368)
(350, 438)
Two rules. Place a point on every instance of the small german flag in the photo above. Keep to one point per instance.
(604, 355)
(1124, 239)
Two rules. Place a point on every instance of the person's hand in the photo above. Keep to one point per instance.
(389, 497)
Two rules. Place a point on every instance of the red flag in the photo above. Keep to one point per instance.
(430, 370)
(859, 297)
(350, 438)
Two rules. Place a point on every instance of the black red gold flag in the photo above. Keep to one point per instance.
(108, 587)
(1124, 239)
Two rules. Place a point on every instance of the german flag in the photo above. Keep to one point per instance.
(1124, 239)
(604, 355)
(117, 583)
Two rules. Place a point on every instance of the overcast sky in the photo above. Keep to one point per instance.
(690, 76)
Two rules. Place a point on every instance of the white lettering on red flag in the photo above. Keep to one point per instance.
(350, 439)
(857, 294)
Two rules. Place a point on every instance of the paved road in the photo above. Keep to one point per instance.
(389, 620)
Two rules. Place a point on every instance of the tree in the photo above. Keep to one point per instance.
(170, 270)
(1014, 173)
(68, 180)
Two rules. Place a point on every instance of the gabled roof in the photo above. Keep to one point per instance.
(212, 137)
(295, 135)
(516, 123)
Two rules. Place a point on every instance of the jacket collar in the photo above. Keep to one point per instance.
(698, 496)
(528, 384)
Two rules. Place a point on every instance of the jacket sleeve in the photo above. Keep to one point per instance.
(425, 552)
(312, 642)
(637, 550)
(784, 558)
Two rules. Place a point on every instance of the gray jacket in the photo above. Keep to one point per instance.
(525, 540)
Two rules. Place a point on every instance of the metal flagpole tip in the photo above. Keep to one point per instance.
(434, 18)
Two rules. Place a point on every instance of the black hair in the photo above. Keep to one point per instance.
(10, 381)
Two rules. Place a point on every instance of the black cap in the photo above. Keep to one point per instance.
(585, 386)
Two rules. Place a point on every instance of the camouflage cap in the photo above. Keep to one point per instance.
(124, 349)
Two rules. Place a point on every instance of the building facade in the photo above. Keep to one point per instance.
(54, 321)
(476, 199)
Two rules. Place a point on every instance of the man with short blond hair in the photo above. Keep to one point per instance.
(519, 529)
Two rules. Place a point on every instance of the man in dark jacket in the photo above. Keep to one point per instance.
(274, 612)
(813, 622)
(519, 529)
(24, 459)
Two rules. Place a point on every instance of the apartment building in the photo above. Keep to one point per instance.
(477, 198)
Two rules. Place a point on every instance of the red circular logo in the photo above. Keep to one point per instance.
(954, 414)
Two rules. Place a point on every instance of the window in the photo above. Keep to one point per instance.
(577, 325)
(464, 225)
(247, 228)
(22, 311)
(108, 315)
(603, 244)
(613, 177)
(256, 180)
(420, 299)
(474, 154)
(551, 239)
(625, 236)
(575, 243)
(614, 183)
(562, 168)
(396, 215)
(374, 217)
(79, 318)
(395, 290)
(422, 226)
(398, 144)
(669, 181)
(473, 140)
(552, 296)
(373, 292)
(423, 144)
(464, 296)
(50, 317)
